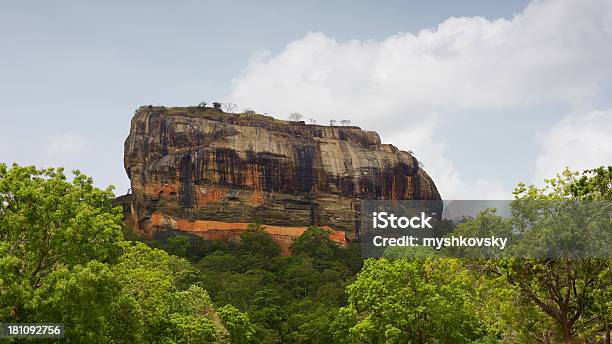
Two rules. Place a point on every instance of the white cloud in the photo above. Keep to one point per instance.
(445, 175)
(450, 181)
(555, 52)
(577, 141)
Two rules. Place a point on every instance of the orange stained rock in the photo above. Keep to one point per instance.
(208, 194)
(219, 230)
(171, 150)
(157, 219)
(253, 178)
(256, 197)
(157, 188)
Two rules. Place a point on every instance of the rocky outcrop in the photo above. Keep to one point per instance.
(206, 172)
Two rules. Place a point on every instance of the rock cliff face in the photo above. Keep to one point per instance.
(210, 173)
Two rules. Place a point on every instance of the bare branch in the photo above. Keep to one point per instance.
(295, 116)
(229, 107)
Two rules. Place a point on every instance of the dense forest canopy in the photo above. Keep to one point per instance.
(65, 257)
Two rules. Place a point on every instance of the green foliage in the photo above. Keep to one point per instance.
(594, 184)
(47, 223)
(565, 299)
(287, 299)
(63, 259)
(238, 324)
(178, 245)
(315, 243)
(189, 317)
(188, 329)
(172, 309)
(257, 242)
(90, 302)
(509, 300)
(146, 276)
(308, 321)
(409, 301)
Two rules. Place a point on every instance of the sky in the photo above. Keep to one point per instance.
(485, 93)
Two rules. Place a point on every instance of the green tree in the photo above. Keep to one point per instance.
(315, 243)
(257, 242)
(409, 301)
(287, 299)
(48, 223)
(300, 277)
(178, 245)
(220, 261)
(308, 321)
(570, 294)
(63, 259)
(238, 324)
(593, 184)
(89, 301)
(173, 310)
(192, 318)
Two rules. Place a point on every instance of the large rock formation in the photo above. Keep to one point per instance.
(210, 173)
